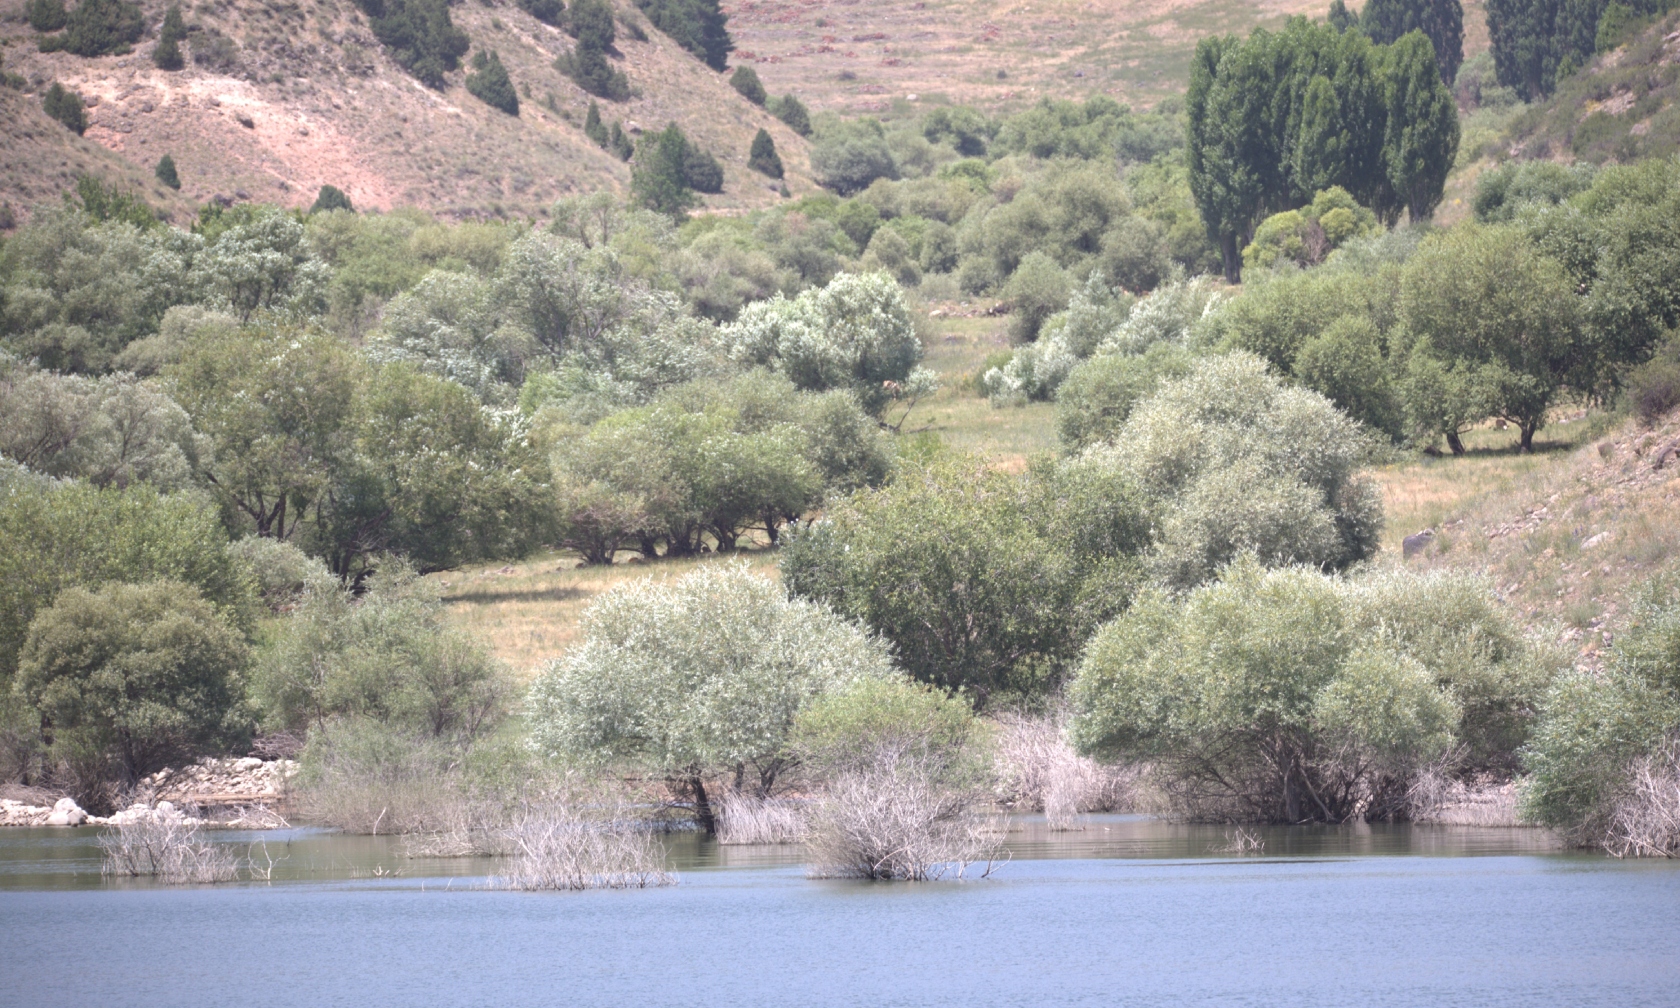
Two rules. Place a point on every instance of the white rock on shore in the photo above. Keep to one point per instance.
(246, 781)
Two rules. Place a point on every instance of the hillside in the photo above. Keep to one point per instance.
(1565, 535)
(861, 56)
(280, 97)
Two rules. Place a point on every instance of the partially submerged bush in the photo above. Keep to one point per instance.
(691, 678)
(165, 845)
(558, 846)
(1037, 768)
(1289, 696)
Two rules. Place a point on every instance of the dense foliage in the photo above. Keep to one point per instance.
(696, 25)
(420, 35)
(489, 83)
(1441, 21)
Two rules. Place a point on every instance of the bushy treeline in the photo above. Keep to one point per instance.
(1561, 290)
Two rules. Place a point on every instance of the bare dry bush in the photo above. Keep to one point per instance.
(899, 817)
(558, 845)
(1645, 822)
(1242, 841)
(1435, 796)
(747, 819)
(166, 846)
(1037, 768)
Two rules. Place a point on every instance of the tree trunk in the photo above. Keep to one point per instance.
(702, 806)
(1455, 442)
(1232, 257)
(1528, 430)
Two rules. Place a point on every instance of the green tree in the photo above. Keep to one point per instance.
(619, 143)
(658, 180)
(981, 581)
(65, 106)
(489, 83)
(549, 12)
(1421, 142)
(793, 112)
(848, 156)
(1537, 42)
(138, 676)
(60, 535)
(1288, 696)
(388, 654)
(330, 198)
(591, 23)
(1340, 18)
(165, 172)
(1442, 21)
(99, 27)
(763, 157)
(420, 36)
(745, 80)
(1485, 305)
(593, 128)
(167, 55)
(701, 171)
(46, 15)
(696, 25)
(1097, 397)
(696, 678)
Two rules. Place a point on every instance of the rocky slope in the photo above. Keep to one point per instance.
(280, 97)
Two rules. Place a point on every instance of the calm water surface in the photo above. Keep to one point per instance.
(1129, 911)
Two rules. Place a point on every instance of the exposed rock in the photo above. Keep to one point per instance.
(66, 813)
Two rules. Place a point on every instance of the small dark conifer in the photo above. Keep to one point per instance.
(66, 107)
(593, 127)
(763, 156)
(165, 172)
(793, 112)
(47, 15)
(745, 80)
(619, 143)
(167, 55)
(491, 85)
(331, 198)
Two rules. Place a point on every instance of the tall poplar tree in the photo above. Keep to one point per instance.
(1442, 21)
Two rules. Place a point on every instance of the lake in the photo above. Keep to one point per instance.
(1128, 911)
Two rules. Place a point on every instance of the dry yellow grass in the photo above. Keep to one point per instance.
(528, 612)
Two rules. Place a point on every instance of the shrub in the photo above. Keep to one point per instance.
(549, 12)
(98, 27)
(489, 83)
(1282, 696)
(901, 772)
(112, 431)
(854, 333)
(165, 172)
(1599, 741)
(331, 198)
(46, 15)
(981, 581)
(1653, 388)
(387, 657)
(1095, 399)
(745, 80)
(1247, 465)
(1504, 191)
(420, 35)
(763, 157)
(701, 170)
(556, 846)
(167, 55)
(66, 107)
(848, 156)
(696, 676)
(1037, 290)
(133, 678)
(619, 143)
(165, 845)
(792, 111)
(593, 128)
(696, 25)
(659, 178)
(591, 23)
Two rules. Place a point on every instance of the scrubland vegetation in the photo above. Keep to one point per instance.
(257, 473)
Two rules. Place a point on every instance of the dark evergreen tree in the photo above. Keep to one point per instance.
(66, 107)
(745, 80)
(593, 128)
(98, 28)
(165, 172)
(1275, 118)
(763, 156)
(1340, 18)
(1441, 20)
(591, 23)
(167, 55)
(658, 182)
(792, 111)
(46, 15)
(1421, 140)
(489, 83)
(619, 143)
(547, 11)
(701, 170)
(696, 25)
(1536, 43)
(330, 198)
(174, 26)
(422, 38)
